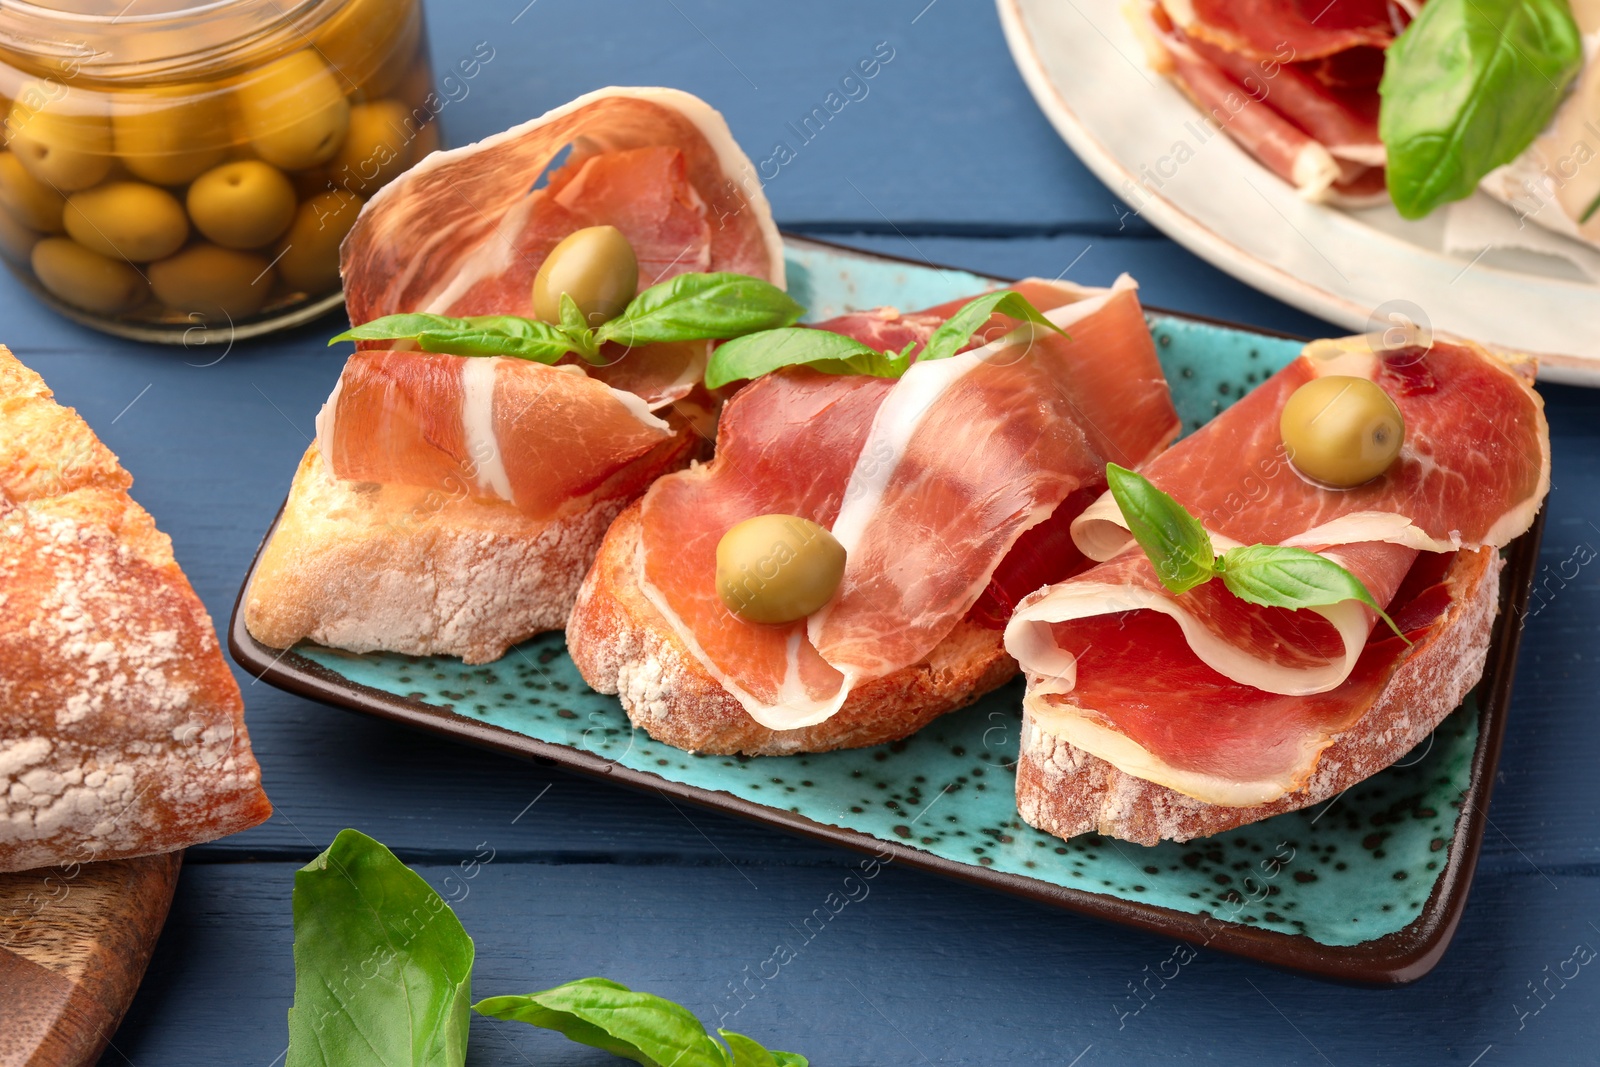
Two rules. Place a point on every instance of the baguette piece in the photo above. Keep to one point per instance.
(121, 728)
(363, 566)
(622, 644)
(1065, 791)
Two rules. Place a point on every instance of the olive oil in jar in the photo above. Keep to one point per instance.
(189, 168)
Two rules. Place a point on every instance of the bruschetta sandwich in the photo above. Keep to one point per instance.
(839, 574)
(1286, 601)
(473, 453)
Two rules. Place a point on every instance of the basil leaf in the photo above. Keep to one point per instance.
(958, 329)
(607, 1015)
(745, 1052)
(761, 353)
(1178, 546)
(382, 967)
(393, 327)
(1279, 576)
(1467, 87)
(483, 335)
(699, 307)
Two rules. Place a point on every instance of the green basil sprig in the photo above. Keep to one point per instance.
(1180, 550)
(383, 978)
(689, 307)
(637, 1026)
(382, 966)
(761, 353)
(1466, 87)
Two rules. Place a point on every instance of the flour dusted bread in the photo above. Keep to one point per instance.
(363, 566)
(1066, 791)
(121, 729)
(622, 645)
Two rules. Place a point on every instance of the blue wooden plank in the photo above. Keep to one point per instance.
(943, 138)
(912, 970)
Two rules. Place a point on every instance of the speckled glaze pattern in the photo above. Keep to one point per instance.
(1340, 873)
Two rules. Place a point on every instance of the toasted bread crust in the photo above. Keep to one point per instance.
(121, 728)
(1066, 791)
(622, 645)
(400, 568)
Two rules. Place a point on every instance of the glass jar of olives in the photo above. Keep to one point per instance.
(189, 167)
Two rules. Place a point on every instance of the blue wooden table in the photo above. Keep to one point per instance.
(946, 158)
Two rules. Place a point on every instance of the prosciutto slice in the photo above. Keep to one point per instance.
(1267, 688)
(1301, 29)
(546, 439)
(465, 231)
(1296, 89)
(928, 481)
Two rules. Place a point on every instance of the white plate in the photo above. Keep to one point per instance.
(1149, 144)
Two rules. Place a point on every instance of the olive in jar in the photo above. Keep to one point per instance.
(27, 199)
(294, 112)
(246, 204)
(170, 135)
(308, 255)
(377, 148)
(217, 283)
(86, 279)
(59, 137)
(127, 220)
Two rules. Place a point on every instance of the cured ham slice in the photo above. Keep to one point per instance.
(1251, 695)
(928, 481)
(546, 439)
(1301, 29)
(956, 469)
(465, 231)
(1188, 728)
(1297, 91)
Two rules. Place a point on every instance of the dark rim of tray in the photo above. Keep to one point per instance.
(1397, 958)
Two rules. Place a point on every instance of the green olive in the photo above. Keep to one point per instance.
(87, 279)
(59, 137)
(778, 568)
(218, 283)
(170, 135)
(16, 240)
(372, 43)
(377, 148)
(596, 267)
(28, 200)
(127, 220)
(294, 111)
(242, 205)
(308, 255)
(1341, 431)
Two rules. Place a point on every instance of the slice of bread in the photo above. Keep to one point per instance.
(623, 645)
(122, 730)
(1066, 791)
(400, 568)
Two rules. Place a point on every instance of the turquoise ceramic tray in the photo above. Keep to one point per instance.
(1368, 887)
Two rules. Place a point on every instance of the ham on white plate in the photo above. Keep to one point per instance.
(1231, 703)
(929, 481)
(1295, 85)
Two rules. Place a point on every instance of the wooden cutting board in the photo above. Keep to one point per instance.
(73, 945)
